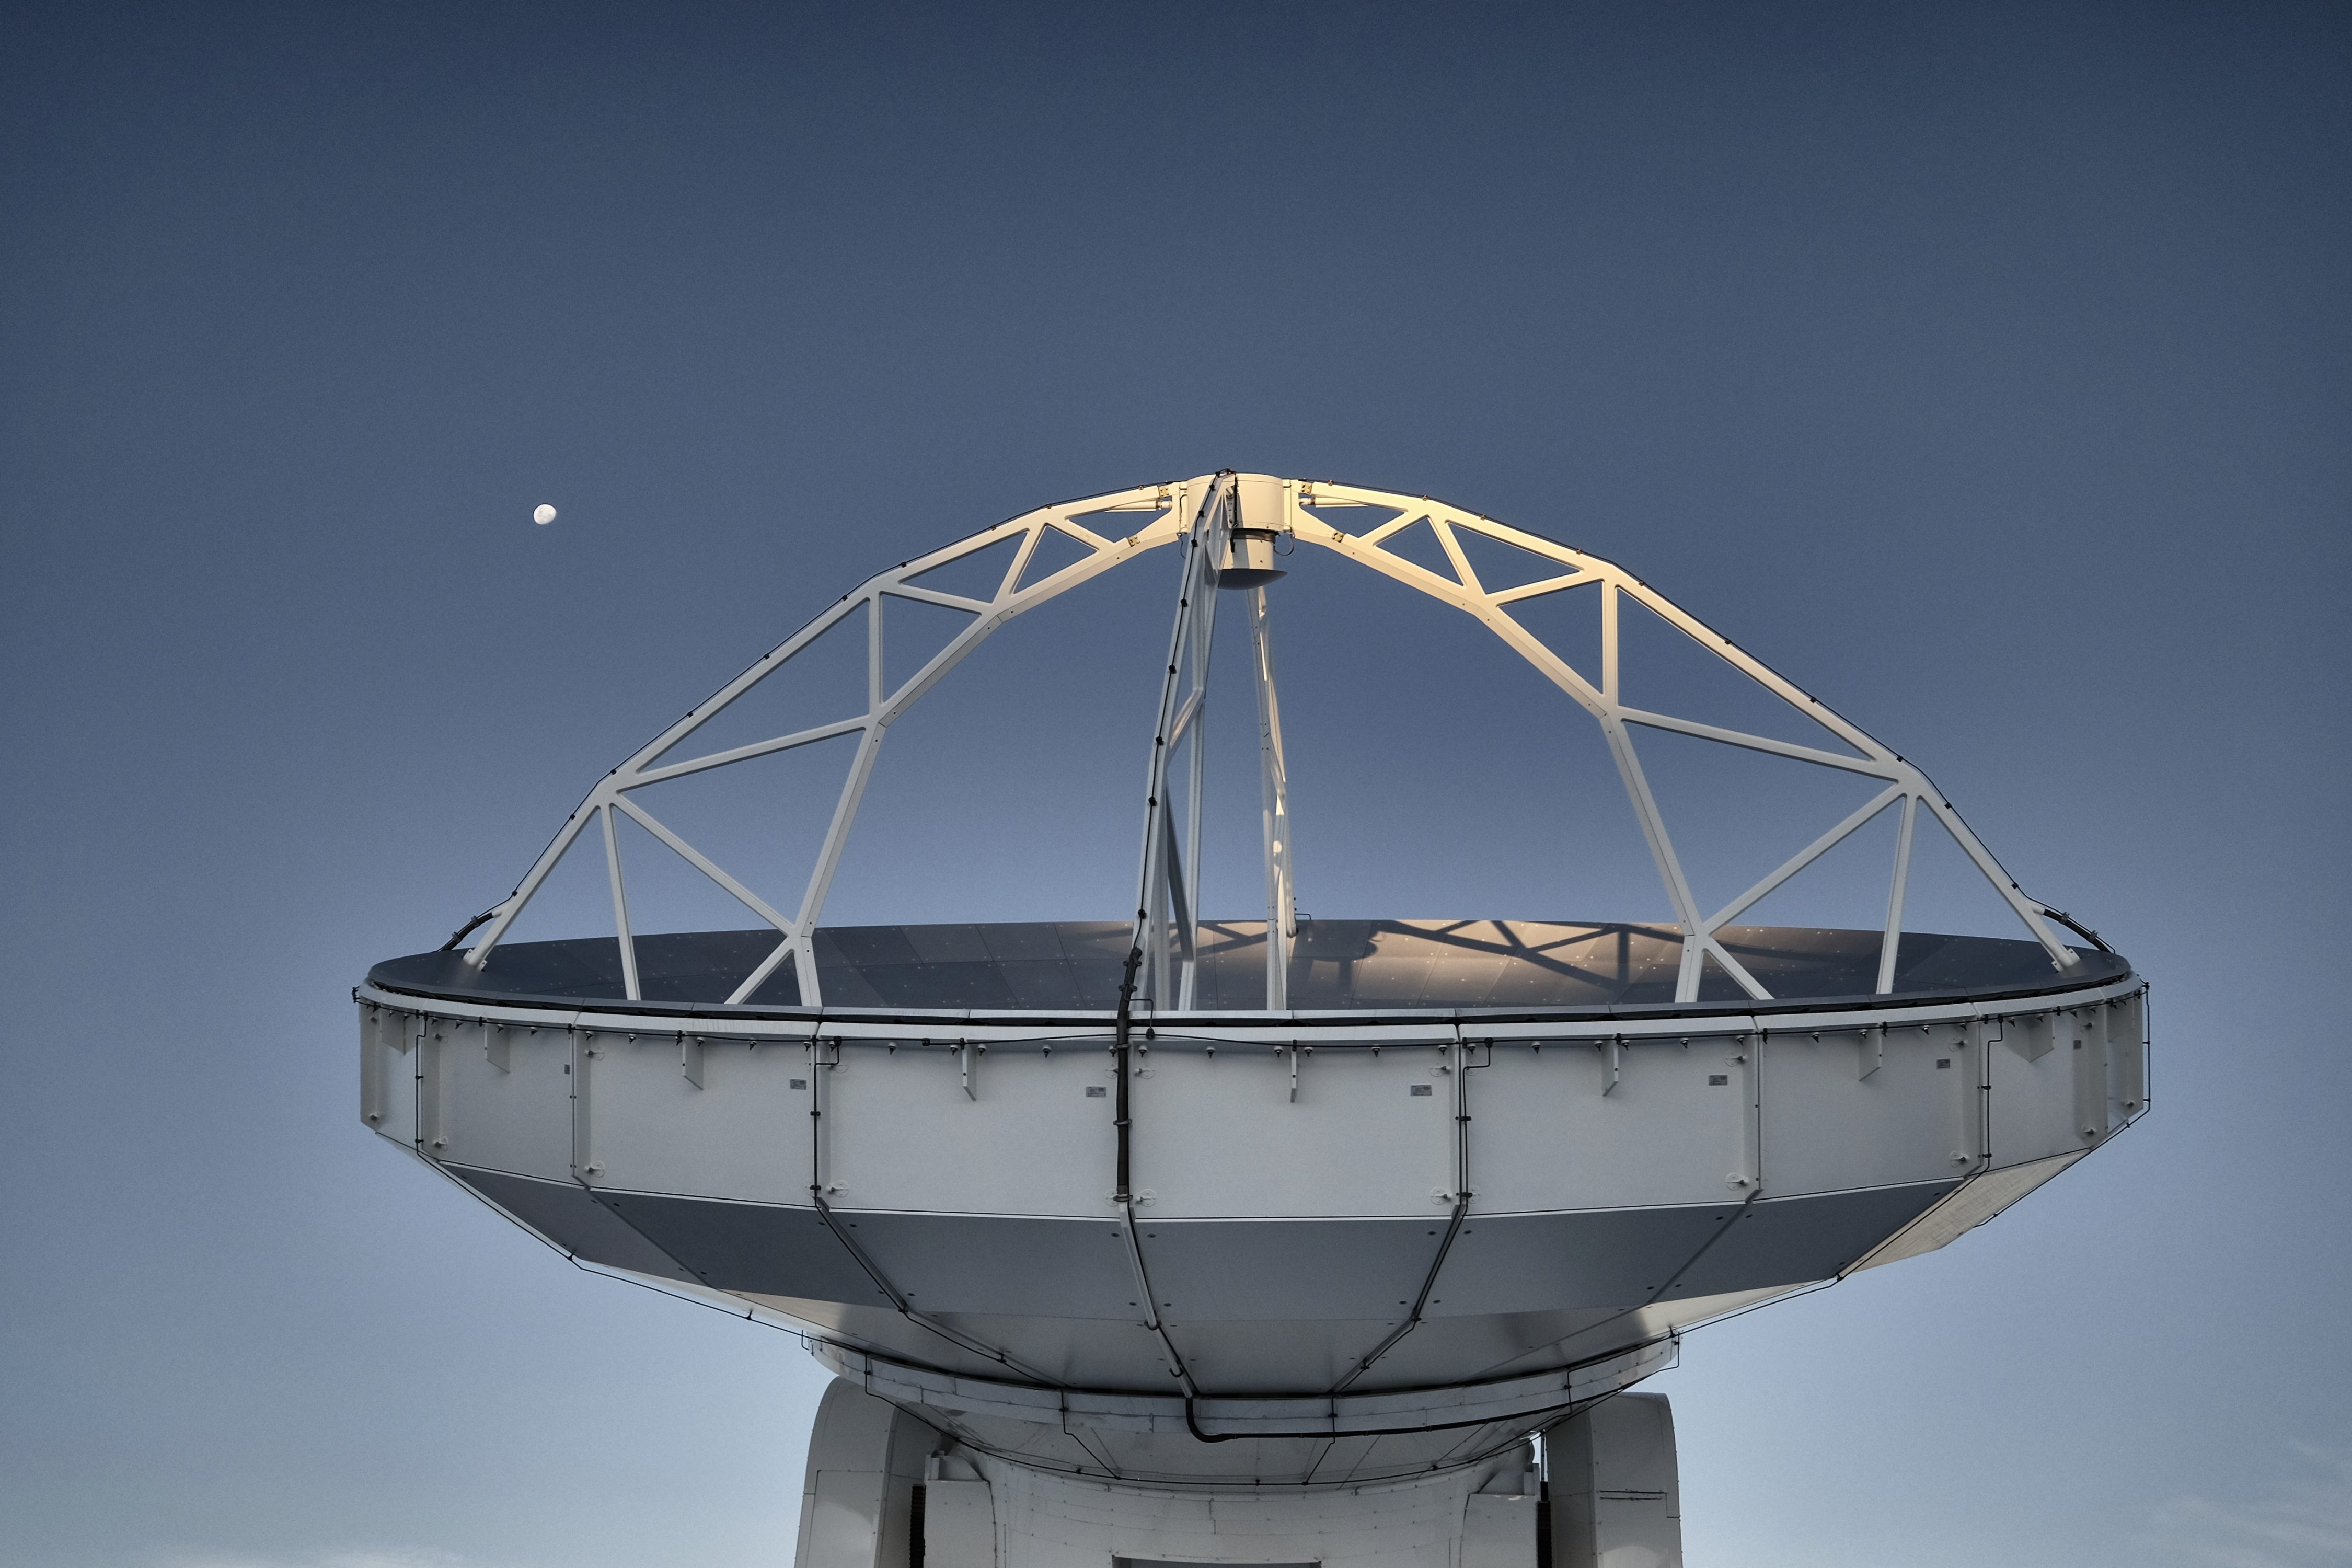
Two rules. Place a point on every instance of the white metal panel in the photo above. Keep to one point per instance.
(388, 1073)
(2084, 1029)
(864, 1458)
(844, 1515)
(1616, 1491)
(744, 1134)
(1867, 1107)
(2031, 1103)
(431, 1058)
(2127, 1052)
(516, 1118)
(1498, 1532)
(1220, 1136)
(1612, 1124)
(900, 1131)
(958, 1525)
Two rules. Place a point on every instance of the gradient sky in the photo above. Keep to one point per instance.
(1986, 371)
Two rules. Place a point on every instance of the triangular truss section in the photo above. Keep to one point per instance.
(1944, 893)
(1716, 983)
(1359, 518)
(574, 897)
(914, 633)
(780, 986)
(1736, 815)
(1055, 552)
(821, 686)
(1845, 887)
(1417, 542)
(977, 575)
(1568, 622)
(1667, 671)
(672, 886)
(763, 822)
(1116, 523)
(1501, 565)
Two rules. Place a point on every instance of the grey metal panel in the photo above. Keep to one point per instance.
(1792, 1241)
(1827, 1127)
(767, 1248)
(1548, 1130)
(1457, 1407)
(568, 1215)
(1219, 1136)
(1076, 1352)
(1286, 1357)
(1149, 1457)
(1146, 1454)
(1446, 1346)
(1962, 1210)
(1040, 1268)
(1445, 1350)
(901, 1133)
(744, 1134)
(1540, 1263)
(518, 1117)
(1021, 1441)
(1310, 1269)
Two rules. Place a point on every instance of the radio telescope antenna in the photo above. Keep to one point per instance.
(1406, 1206)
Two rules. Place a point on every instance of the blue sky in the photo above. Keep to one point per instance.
(1985, 370)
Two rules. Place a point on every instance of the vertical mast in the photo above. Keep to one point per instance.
(1281, 909)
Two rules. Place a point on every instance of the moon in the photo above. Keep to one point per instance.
(545, 515)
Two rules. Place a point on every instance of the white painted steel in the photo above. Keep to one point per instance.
(1616, 1489)
(1370, 1257)
(1198, 514)
(865, 1458)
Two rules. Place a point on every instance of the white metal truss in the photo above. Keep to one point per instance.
(1198, 514)
(1012, 596)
